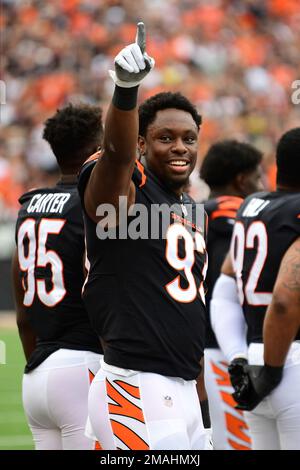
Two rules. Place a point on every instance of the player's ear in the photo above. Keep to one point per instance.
(240, 183)
(142, 146)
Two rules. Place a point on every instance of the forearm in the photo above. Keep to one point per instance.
(203, 399)
(280, 328)
(282, 320)
(111, 176)
(200, 384)
(201, 391)
(121, 127)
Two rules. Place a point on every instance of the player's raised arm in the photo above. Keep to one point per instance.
(111, 176)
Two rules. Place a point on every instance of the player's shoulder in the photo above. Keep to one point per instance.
(264, 202)
(254, 198)
(91, 161)
(292, 199)
(38, 192)
(89, 164)
(59, 201)
(86, 170)
(223, 206)
(210, 205)
(26, 197)
(291, 205)
(222, 213)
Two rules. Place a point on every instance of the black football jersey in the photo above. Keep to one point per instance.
(266, 225)
(145, 296)
(51, 248)
(221, 213)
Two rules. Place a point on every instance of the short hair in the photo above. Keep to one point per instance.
(74, 133)
(288, 158)
(161, 101)
(226, 159)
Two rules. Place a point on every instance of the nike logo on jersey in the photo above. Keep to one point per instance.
(51, 202)
(254, 207)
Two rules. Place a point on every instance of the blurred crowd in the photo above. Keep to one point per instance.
(236, 60)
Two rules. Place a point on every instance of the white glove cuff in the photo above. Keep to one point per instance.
(121, 83)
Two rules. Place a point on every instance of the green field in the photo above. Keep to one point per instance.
(14, 431)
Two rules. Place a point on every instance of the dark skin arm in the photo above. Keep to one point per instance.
(111, 176)
(281, 324)
(282, 320)
(26, 333)
(202, 395)
(201, 390)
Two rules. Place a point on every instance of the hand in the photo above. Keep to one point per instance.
(240, 381)
(208, 445)
(261, 382)
(238, 375)
(132, 64)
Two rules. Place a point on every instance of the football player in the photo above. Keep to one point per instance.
(265, 259)
(145, 293)
(62, 351)
(232, 171)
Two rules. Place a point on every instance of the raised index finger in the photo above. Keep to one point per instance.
(141, 36)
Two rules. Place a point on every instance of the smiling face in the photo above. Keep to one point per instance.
(170, 147)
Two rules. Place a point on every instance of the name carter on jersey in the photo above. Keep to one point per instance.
(51, 202)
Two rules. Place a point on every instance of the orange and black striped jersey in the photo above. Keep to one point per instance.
(267, 223)
(50, 244)
(221, 213)
(145, 295)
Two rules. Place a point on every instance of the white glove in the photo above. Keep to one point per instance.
(208, 445)
(132, 64)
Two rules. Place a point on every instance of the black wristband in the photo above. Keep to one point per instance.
(205, 414)
(125, 98)
(272, 373)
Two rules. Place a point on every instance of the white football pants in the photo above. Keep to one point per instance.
(229, 428)
(132, 410)
(55, 399)
(275, 422)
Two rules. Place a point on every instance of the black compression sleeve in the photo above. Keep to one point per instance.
(125, 98)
